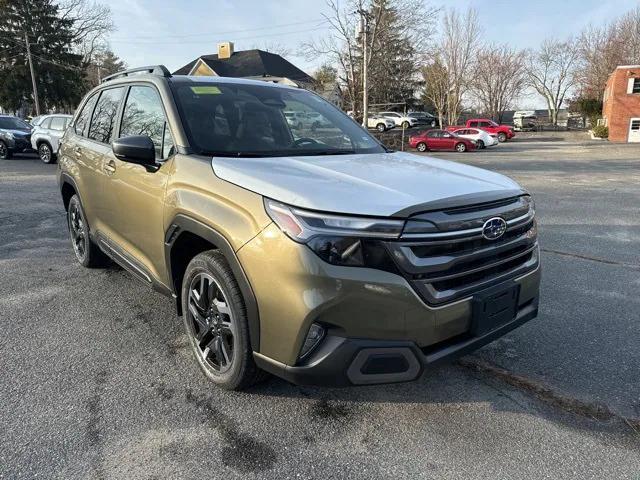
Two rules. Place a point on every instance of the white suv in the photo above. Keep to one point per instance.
(399, 119)
(46, 135)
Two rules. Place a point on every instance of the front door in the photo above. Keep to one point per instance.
(134, 193)
(634, 130)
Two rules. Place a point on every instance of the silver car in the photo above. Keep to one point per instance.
(45, 137)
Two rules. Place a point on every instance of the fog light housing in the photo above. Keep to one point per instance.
(314, 337)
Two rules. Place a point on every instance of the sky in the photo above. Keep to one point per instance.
(174, 32)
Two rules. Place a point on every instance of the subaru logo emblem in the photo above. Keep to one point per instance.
(494, 228)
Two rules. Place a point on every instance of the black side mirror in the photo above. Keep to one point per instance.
(136, 149)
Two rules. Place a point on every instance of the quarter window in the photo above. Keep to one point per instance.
(58, 123)
(85, 115)
(104, 115)
(143, 115)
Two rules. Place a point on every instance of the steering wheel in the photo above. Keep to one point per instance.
(303, 140)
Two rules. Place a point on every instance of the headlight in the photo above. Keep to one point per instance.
(338, 239)
(11, 136)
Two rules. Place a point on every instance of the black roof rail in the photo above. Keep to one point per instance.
(159, 70)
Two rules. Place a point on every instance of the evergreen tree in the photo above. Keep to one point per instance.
(58, 71)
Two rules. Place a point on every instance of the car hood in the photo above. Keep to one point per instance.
(17, 133)
(385, 184)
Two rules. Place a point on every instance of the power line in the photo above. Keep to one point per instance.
(319, 21)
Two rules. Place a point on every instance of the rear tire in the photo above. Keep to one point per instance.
(215, 320)
(46, 153)
(480, 144)
(405, 124)
(87, 253)
(422, 147)
(461, 147)
(502, 137)
(5, 153)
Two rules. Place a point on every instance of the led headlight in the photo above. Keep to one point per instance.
(338, 239)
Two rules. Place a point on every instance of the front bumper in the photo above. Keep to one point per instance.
(361, 309)
(342, 362)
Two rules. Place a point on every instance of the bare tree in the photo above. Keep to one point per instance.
(436, 86)
(390, 23)
(91, 23)
(459, 45)
(551, 72)
(605, 47)
(498, 78)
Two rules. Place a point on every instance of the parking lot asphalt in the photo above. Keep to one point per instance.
(97, 381)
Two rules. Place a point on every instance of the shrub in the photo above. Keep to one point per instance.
(600, 131)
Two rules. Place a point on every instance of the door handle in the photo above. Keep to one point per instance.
(78, 151)
(110, 167)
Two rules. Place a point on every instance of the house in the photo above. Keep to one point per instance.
(621, 104)
(253, 64)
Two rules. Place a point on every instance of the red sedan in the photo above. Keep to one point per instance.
(440, 140)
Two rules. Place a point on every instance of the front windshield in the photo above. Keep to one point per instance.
(234, 119)
(12, 123)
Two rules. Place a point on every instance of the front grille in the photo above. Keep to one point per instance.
(451, 259)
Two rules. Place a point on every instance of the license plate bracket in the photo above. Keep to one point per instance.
(493, 308)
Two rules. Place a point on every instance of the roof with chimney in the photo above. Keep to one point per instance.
(248, 64)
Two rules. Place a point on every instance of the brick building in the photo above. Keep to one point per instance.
(621, 104)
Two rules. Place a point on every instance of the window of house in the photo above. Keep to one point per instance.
(636, 86)
(635, 124)
(104, 115)
(143, 115)
(85, 115)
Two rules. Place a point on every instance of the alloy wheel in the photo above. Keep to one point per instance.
(211, 322)
(45, 152)
(77, 228)
(461, 147)
(422, 147)
(3, 150)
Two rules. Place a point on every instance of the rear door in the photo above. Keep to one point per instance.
(135, 193)
(634, 130)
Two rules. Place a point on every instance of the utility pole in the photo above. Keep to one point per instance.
(33, 75)
(364, 29)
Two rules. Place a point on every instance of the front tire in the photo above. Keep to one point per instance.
(405, 124)
(421, 147)
(45, 153)
(215, 319)
(381, 127)
(87, 253)
(502, 137)
(5, 153)
(461, 147)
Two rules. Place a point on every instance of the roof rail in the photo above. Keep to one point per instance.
(159, 70)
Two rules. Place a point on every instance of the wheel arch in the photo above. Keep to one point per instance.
(185, 238)
(68, 189)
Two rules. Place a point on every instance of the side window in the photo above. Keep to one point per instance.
(473, 124)
(143, 115)
(46, 123)
(484, 124)
(85, 115)
(433, 134)
(104, 116)
(58, 123)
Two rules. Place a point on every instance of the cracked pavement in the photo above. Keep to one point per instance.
(97, 381)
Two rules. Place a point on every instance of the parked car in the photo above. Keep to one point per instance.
(400, 120)
(15, 136)
(325, 264)
(503, 132)
(45, 137)
(317, 121)
(424, 118)
(481, 138)
(440, 140)
(380, 123)
(296, 120)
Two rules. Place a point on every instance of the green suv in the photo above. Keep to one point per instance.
(315, 254)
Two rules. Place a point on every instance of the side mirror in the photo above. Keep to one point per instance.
(136, 149)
